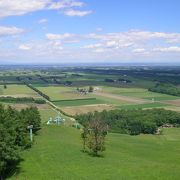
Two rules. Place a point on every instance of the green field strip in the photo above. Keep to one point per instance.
(142, 106)
(78, 102)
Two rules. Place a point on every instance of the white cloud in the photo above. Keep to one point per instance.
(72, 12)
(66, 4)
(140, 50)
(92, 46)
(42, 21)
(51, 36)
(25, 47)
(99, 29)
(134, 41)
(21, 7)
(99, 50)
(167, 49)
(128, 46)
(7, 31)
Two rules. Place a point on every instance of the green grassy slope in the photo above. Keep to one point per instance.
(56, 155)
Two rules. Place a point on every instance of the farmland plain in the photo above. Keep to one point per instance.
(56, 152)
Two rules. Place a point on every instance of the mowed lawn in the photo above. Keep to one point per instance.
(138, 93)
(17, 91)
(56, 154)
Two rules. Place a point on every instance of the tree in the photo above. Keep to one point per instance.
(94, 136)
(5, 86)
(84, 136)
(91, 89)
(14, 136)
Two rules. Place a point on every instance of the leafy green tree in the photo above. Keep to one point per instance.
(91, 89)
(94, 136)
(14, 136)
(84, 136)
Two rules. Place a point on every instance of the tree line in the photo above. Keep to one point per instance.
(166, 89)
(133, 122)
(33, 88)
(9, 99)
(38, 91)
(14, 136)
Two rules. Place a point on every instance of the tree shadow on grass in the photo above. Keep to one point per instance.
(93, 154)
(14, 169)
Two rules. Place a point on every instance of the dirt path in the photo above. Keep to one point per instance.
(123, 98)
(172, 102)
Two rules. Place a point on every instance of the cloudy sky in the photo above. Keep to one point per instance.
(72, 31)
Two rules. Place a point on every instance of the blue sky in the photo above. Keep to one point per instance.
(71, 31)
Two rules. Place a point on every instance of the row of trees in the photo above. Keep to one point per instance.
(38, 91)
(9, 99)
(14, 136)
(165, 89)
(133, 122)
(33, 88)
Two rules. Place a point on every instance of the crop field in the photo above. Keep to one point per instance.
(61, 93)
(56, 154)
(74, 110)
(78, 102)
(104, 98)
(17, 91)
(138, 93)
(144, 106)
(118, 98)
(174, 102)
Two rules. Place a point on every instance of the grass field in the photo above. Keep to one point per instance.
(144, 106)
(46, 114)
(74, 110)
(106, 97)
(78, 102)
(61, 93)
(56, 154)
(17, 91)
(138, 93)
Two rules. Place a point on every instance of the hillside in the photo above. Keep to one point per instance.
(56, 154)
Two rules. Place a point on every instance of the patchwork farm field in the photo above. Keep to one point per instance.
(56, 154)
(61, 93)
(57, 150)
(105, 98)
